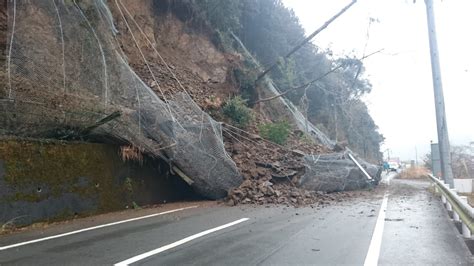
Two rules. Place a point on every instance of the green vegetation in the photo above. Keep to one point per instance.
(223, 15)
(128, 185)
(245, 78)
(276, 132)
(305, 138)
(222, 41)
(236, 109)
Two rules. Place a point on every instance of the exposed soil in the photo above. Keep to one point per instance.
(201, 69)
(470, 198)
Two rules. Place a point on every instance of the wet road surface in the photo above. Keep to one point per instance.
(415, 229)
(418, 229)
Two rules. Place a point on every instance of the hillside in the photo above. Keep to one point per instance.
(168, 78)
(269, 30)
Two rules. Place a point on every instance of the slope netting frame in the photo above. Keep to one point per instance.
(65, 71)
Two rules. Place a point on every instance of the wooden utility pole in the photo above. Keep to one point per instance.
(442, 125)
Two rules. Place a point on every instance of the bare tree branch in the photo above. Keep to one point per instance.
(313, 81)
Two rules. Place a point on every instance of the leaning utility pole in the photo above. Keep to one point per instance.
(442, 126)
(306, 40)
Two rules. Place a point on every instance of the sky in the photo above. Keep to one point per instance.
(402, 101)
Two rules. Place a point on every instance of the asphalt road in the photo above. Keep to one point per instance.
(414, 229)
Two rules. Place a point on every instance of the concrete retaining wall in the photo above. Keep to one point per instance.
(463, 185)
(47, 181)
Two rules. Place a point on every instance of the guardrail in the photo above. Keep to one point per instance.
(462, 211)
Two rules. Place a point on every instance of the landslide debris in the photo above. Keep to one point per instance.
(271, 172)
(263, 191)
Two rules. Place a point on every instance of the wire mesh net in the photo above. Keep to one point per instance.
(65, 72)
(336, 172)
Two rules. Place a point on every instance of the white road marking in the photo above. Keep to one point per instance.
(177, 243)
(372, 257)
(386, 178)
(389, 177)
(92, 228)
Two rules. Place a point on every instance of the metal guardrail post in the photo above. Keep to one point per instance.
(449, 207)
(458, 205)
(456, 216)
(466, 232)
(455, 213)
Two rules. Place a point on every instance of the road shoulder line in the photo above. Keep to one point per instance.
(92, 228)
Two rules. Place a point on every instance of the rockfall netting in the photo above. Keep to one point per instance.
(337, 172)
(297, 116)
(325, 172)
(67, 77)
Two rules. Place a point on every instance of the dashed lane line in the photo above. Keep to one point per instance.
(177, 243)
(372, 257)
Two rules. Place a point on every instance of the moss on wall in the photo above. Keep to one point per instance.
(54, 180)
(36, 170)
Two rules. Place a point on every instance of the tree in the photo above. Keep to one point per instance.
(427, 162)
(462, 161)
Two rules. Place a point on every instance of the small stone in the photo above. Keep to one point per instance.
(230, 202)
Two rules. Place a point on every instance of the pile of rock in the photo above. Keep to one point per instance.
(279, 175)
(260, 159)
(271, 172)
(285, 193)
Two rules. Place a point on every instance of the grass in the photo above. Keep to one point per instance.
(10, 225)
(470, 198)
(416, 172)
(131, 153)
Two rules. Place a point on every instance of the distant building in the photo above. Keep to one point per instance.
(395, 159)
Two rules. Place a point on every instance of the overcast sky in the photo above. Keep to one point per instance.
(402, 101)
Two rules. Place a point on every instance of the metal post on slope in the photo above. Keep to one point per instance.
(442, 127)
(416, 156)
